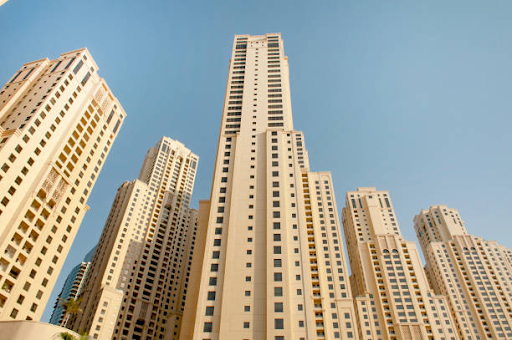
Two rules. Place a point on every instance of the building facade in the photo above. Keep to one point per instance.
(270, 260)
(58, 120)
(140, 270)
(392, 296)
(71, 288)
(474, 274)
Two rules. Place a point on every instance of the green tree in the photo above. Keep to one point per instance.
(71, 307)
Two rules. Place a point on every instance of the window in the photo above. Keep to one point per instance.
(207, 327)
(278, 291)
(211, 296)
(77, 67)
(209, 311)
(279, 323)
(277, 250)
(278, 277)
(278, 307)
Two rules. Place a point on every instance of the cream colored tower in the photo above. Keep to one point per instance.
(474, 274)
(392, 295)
(58, 120)
(139, 274)
(270, 261)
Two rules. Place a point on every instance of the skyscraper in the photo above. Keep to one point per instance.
(58, 120)
(72, 287)
(474, 274)
(269, 261)
(391, 292)
(140, 270)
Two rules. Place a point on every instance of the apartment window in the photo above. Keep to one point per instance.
(278, 277)
(208, 327)
(279, 323)
(278, 291)
(209, 311)
(277, 263)
(277, 237)
(77, 67)
(211, 296)
(277, 250)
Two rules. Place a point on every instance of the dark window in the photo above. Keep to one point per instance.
(77, 67)
(279, 323)
(208, 327)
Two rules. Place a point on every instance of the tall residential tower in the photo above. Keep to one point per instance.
(140, 271)
(391, 292)
(474, 274)
(270, 261)
(71, 289)
(58, 120)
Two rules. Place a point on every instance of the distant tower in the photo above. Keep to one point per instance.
(474, 274)
(270, 260)
(71, 288)
(140, 271)
(58, 120)
(391, 291)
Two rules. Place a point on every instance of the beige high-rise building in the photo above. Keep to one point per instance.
(58, 120)
(391, 292)
(139, 275)
(474, 274)
(270, 259)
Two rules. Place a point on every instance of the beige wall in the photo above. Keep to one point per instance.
(392, 295)
(140, 271)
(474, 274)
(273, 263)
(58, 121)
(23, 330)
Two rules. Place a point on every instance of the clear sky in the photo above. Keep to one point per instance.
(413, 97)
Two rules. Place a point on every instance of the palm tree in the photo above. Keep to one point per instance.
(71, 307)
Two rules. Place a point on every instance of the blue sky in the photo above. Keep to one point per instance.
(407, 96)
